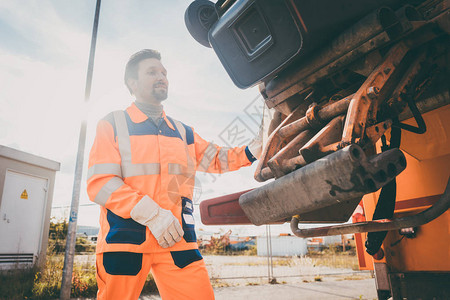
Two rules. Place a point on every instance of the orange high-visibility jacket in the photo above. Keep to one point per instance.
(131, 158)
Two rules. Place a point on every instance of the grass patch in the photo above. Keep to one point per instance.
(17, 284)
(276, 262)
(45, 283)
(353, 277)
(223, 250)
(216, 283)
(345, 260)
(149, 286)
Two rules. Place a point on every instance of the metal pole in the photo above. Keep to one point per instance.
(269, 276)
(66, 284)
(272, 278)
(269, 255)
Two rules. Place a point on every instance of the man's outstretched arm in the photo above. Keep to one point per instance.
(212, 158)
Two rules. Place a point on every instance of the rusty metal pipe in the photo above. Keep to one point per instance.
(278, 162)
(426, 216)
(330, 134)
(275, 143)
(324, 114)
(425, 105)
(266, 174)
(293, 163)
(406, 15)
(295, 127)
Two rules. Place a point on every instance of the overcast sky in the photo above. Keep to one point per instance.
(44, 53)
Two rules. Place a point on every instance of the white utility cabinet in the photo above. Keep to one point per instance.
(26, 189)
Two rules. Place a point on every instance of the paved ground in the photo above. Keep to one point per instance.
(346, 289)
(361, 289)
(246, 278)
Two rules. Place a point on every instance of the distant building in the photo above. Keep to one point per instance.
(319, 243)
(283, 245)
(90, 232)
(26, 189)
(87, 230)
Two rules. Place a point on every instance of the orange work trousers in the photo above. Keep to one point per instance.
(178, 275)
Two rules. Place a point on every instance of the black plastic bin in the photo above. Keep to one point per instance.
(254, 39)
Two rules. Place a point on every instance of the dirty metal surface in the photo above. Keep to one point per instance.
(342, 175)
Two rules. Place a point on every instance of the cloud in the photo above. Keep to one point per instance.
(45, 34)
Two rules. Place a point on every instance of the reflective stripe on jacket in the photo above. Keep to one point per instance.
(132, 157)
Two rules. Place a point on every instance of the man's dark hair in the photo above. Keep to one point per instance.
(131, 70)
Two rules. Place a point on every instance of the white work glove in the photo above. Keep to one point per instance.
(164, 226)
(255, 146)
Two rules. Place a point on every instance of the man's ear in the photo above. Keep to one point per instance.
(132, 84)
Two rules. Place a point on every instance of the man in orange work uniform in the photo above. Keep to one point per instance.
(141, 172)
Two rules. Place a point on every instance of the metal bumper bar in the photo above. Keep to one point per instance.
(426, 216)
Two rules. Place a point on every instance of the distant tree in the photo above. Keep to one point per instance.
(57, 235)
(57, 238)
(83, 245)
